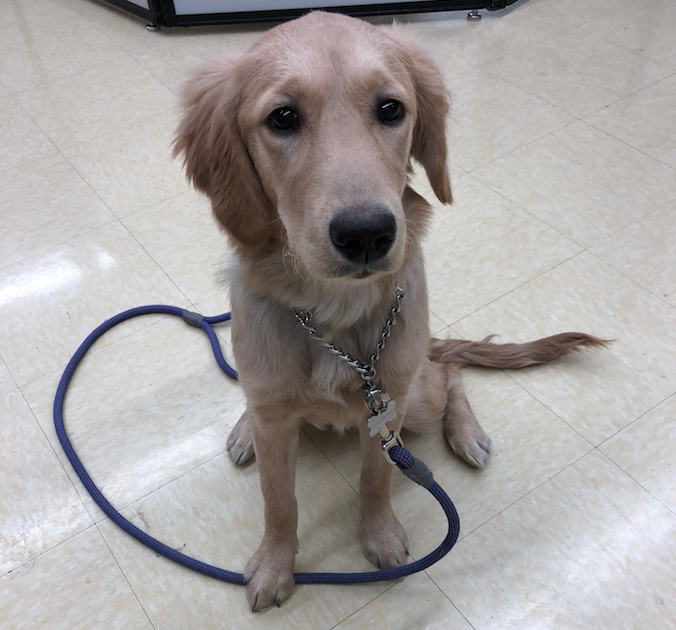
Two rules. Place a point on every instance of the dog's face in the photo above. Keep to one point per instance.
(306, 141)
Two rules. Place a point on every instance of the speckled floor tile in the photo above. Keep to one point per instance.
(132, 168)
(185, 240)
(496, 35)
(578, 72)
(51, 301)
(31, 12)
(45, 203)
(645, 252)
(642, 120)
(483, 246)
(645, 27)
(22, 139)
(143, 411)
(33, 54)
(39, 507)
(215, 513)
(416, 602)
(645, 451)
(579, 11)
(487, 119)
(590, 548)
(7, 383)
(76, 586)
(599, 392)
(582, 182)
(176, 56)
(96, 102)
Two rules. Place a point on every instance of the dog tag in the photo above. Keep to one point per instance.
(382, 417)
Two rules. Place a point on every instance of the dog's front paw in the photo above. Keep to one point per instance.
(240, 445)
(383, 540)
(269, 577)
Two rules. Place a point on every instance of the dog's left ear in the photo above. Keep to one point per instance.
(432, 100)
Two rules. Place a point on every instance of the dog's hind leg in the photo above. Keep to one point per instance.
(461, 428)
(437, 398)
(240, 444)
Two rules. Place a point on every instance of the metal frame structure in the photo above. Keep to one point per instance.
(163, 13)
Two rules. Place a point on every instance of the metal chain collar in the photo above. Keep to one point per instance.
(366, 370)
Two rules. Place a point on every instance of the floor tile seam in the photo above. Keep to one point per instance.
(448, 598)
(58, 459)
(635, 222)
(159, 266)
(610, 41)
(509, 374)
(66, 241)
(124, 575)
(126, 125)
(173, 90)
(516, 288)
(42, 131)
(3, 363)
(524, 145)
(526, 210)
(122, 128)
(568, 26)
(624, 142)
(45, 551)
(51, 82)
(326, 457)
(93, 350)
(529, 492)
(354, 612)
(637, 482)
(585, 114)
(154, 205)
(586, 21)
(48, 21)
(634, 93)
(669, 306)
(636, 419)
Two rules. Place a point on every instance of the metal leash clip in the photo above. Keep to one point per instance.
(388, 441)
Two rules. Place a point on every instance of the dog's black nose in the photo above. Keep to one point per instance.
(363, 235)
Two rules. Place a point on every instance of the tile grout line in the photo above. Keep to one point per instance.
(124, 575)
(671, 307)
(637, 482)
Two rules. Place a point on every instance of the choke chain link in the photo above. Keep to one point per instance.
(366, 370)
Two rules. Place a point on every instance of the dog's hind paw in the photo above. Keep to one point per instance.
(240, 444)
(470, 442)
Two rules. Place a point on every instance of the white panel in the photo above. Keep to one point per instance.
(188, 7)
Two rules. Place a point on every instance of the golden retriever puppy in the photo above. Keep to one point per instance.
(304, 146)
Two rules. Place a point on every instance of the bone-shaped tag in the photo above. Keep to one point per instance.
(381, 418)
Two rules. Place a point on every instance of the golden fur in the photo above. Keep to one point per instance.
(276, 195)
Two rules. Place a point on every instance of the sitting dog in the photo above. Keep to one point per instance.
(304, 146)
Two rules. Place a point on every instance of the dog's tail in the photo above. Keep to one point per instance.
(510, 355)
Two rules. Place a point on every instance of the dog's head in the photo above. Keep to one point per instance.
(307, 138)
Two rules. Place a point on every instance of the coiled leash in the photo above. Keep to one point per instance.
(379, 405)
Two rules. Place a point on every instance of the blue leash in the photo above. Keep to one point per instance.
(409, 465)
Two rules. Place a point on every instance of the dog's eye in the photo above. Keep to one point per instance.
(391, 111)
(283, 119)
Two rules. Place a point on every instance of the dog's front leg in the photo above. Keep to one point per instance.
(383, 539)
(269, 573)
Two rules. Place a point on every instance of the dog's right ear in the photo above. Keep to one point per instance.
(215, 156)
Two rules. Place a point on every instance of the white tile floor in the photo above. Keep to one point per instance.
(563, 145)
